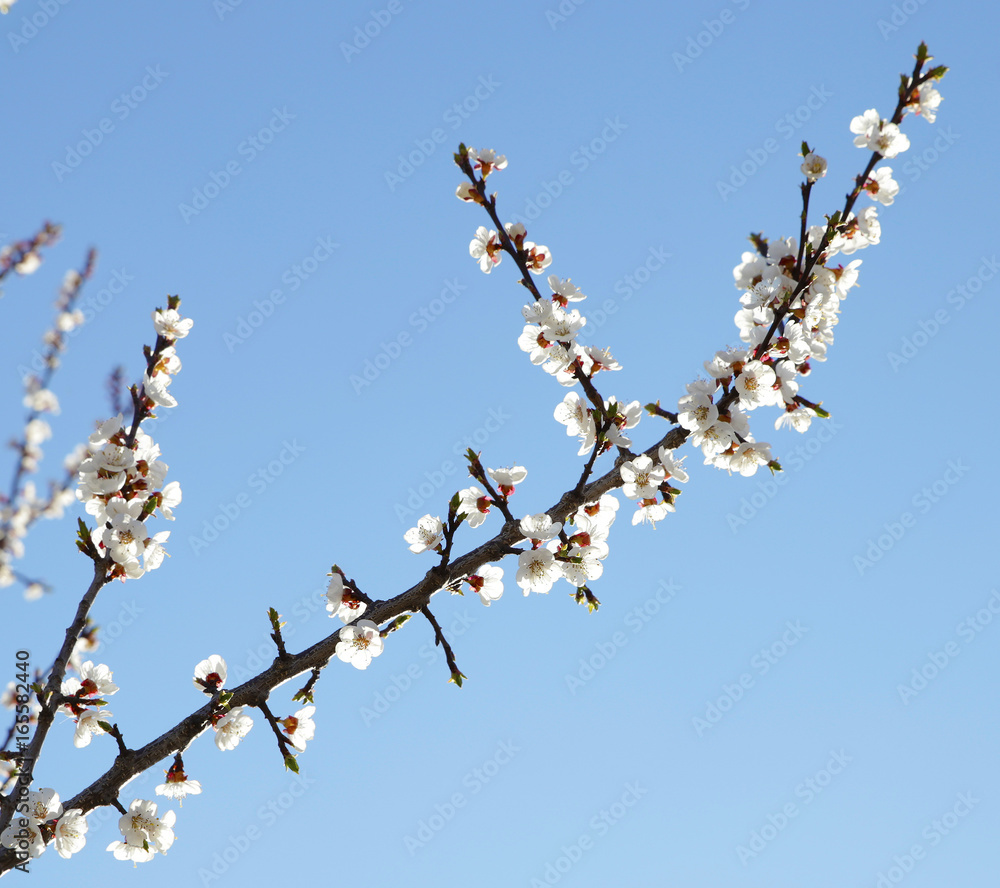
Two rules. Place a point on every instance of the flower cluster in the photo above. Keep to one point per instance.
(551, 329)
(555, 553)
(724, 436)
(790, 301)
(86, 695)
(582, 421)
(549, 338)
(473, 505)
(487, 247)
(646, 481)
(25, 256)
(117, 480)
(122, 478)
(144, 832)
(790, 304)
(878, 135)
(231, 725)
(30, 831)
(558, 554)
(17, 516)
(785, 324)
(484, 162)
(23, 506)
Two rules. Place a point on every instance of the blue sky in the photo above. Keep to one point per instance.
(293, 183)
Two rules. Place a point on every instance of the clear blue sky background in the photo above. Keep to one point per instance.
(540, 89)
